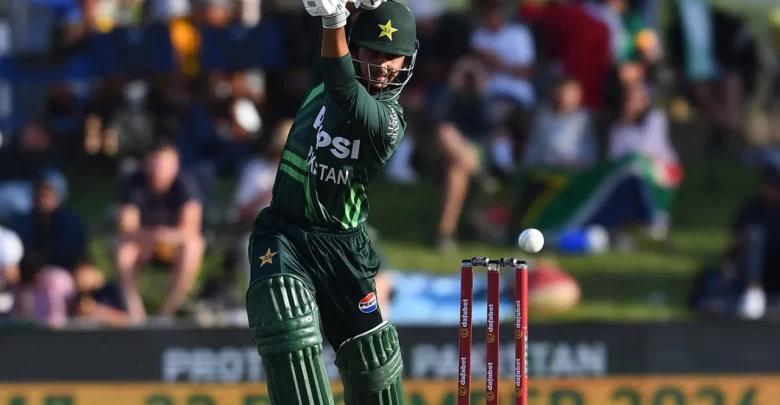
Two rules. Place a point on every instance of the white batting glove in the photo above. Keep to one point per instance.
(333, 12)
(369, 4)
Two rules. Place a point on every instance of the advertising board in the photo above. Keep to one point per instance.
(229, 356)
(693, 390)
(429, 353)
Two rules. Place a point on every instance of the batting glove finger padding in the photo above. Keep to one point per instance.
(324, 8)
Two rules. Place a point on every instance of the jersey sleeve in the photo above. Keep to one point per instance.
(382, 121)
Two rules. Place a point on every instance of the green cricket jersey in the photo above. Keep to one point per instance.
(340, 139)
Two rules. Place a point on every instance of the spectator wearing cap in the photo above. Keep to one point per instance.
(52, 228)
(160, 223)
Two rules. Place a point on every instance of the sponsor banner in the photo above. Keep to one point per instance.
(731, 390)
(424, 360)
(429, 353)
(229, 356)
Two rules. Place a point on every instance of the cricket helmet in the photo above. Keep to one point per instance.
(391, 29)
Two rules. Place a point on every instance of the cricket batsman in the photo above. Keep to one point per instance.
(310, 254)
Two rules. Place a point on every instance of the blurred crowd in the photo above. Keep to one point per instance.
(566, 93)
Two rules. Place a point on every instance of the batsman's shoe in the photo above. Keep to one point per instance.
(284, 320)
(371, 368)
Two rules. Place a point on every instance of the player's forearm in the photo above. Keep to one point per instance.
(340, 80)
(334, 43)
(338, 72)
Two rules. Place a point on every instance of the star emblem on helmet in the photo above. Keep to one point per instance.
(387, 30)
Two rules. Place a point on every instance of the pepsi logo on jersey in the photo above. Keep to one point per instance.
(368, 304)
(341, 147)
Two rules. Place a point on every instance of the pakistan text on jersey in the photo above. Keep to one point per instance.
(329, 174)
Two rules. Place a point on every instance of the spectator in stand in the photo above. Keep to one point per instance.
(755, 233)
(642, 129)
(610, 12)
(160, 221)
(636, 47)
(507, 49)
(63, 110)
(20, 165)
(634, 187)
(574, 43)
(745, 283)
(99, 301)
(52, 228)
(709, 50)
(43, 293)
(464, 126)
(103, 111)
(641, 42)
(563, 134)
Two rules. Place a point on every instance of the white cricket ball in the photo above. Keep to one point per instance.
(531, 240)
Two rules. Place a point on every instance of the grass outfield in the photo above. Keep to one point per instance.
(651, 284)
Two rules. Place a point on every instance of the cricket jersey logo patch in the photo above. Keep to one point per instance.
(368, 304)
(268, 257)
